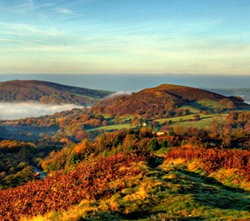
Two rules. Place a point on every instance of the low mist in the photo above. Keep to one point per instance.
(13, 111)
(118, 93)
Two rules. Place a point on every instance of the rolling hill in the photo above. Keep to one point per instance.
(48, 92)
(166, 98)
(181, 105)
(182, 173)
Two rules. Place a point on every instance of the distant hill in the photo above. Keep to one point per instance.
(48, 92)
(242, 92)
(166, 98)
(153, 106)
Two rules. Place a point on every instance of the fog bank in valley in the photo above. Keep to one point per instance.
(13, 111)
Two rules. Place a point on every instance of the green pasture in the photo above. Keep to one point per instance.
(188, 120)
(111, 127)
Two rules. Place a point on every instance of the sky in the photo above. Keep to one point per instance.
(125, 36)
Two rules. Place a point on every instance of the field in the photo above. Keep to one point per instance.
(189, 120)
(110, 127)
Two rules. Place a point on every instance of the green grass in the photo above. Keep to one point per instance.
(175, 119)
(187, 120)
(111, 127)
(205, 121)
(192, 109)
(128, 116)
(84, 96)
(210, 104)
(106, 116)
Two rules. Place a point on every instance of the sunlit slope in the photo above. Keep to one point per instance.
(166, 99)
(134, 175)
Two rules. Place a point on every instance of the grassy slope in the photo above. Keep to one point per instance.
(176, 189)
(187, 121)
(110, 127)
(169, 192)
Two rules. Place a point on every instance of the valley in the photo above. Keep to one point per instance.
(124, 110)
(165, 153)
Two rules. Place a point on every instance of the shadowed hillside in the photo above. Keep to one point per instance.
(47, 92)
(242, 92)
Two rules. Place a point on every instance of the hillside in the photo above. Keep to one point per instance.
(184, 155)
(47, 92)
(158, 108)
(135, 175)
(164, 100)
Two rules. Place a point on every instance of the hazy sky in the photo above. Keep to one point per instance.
(125, 36)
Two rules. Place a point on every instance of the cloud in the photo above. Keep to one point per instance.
(119, 93)
(22, 36)
(12, 111)
(23, 29)
(64, 11)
